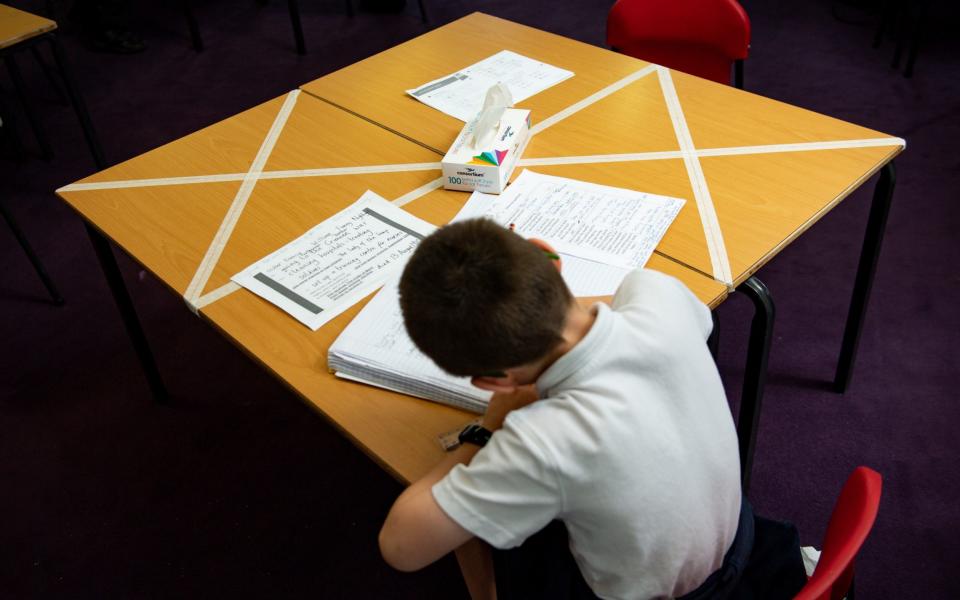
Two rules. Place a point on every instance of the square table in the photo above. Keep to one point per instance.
(757, 173)
(202, 208)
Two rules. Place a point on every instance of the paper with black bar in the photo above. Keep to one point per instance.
(337, 263)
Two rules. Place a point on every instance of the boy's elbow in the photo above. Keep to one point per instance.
(394, 551)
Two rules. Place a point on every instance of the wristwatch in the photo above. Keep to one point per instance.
(475, 434)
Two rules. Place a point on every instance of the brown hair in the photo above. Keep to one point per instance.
(477, 298)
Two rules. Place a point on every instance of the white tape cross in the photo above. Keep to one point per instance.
(719, 260)
(714, 238)
(209, 261)
(287, 174)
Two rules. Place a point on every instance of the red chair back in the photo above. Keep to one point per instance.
(700, 37)
(852, 519)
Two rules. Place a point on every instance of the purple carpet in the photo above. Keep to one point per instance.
(237, 489)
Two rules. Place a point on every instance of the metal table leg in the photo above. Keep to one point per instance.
(77, 101)
(876, 223)
(100, 244)
(755, 374)
(115, 280)
(37, 265)
(18, 83)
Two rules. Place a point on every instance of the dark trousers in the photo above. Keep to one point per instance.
(762, 563)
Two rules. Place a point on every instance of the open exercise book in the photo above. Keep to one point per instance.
(601, 233)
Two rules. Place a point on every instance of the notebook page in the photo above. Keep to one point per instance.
(377, 340)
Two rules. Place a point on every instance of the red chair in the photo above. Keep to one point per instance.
(700, 37)
(852, 519)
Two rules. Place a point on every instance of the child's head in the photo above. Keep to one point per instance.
(479, 299)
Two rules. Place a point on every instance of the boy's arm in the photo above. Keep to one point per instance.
(417, 531)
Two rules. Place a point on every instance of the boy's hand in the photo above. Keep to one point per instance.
(503, 402)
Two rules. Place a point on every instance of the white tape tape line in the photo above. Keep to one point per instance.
(596, 96)
(597, 158)
(719, 260)
(288, 174)
(803, 147)
(209, 261)
(211, 297)
(420, 191)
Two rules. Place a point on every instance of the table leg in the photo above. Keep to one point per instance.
(37, 265)
(77, 101)
(19, 84)
(755, 374)
(876, 223)
(115, 280)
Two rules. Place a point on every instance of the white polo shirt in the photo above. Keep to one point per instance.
(632, 445)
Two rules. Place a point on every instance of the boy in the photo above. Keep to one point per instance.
(612, 420)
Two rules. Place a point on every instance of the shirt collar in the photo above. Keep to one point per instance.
(563, 371)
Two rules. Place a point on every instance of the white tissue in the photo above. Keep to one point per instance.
(487, 122)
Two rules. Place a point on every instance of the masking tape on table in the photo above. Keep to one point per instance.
(719, 260)
(209, 261)
(592, 98)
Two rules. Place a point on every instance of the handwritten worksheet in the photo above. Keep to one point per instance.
(461, 94)
(600, 232)
(334, 265)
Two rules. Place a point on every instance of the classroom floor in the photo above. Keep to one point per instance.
(237, 489)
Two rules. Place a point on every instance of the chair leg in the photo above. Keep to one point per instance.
(713, 342)
(34, 260)
(127, 312)
(423, 12)
(869, 255)
(73, 91)
(350, 11)
(297, 27)
(21, 87)
(755, 374)
(886, 7)
(738, 74)
(915, 37)
(195, 38)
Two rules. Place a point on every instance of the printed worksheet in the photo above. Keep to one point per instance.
(337, 263)
(461, 94)
(600, 232)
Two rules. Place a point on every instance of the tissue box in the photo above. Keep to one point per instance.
(487, 170)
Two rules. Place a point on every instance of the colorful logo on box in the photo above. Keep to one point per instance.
(494, 158)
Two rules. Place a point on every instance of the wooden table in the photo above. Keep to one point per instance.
(171, 202)
(757, 173)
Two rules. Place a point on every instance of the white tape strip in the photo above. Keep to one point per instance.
(597, 158)
(802, 147)
(719, 260)
(420, 191)
(209, 261)
(362, 170)
(289, 174)
(135, 183)
(220, 292)
(600, 95)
